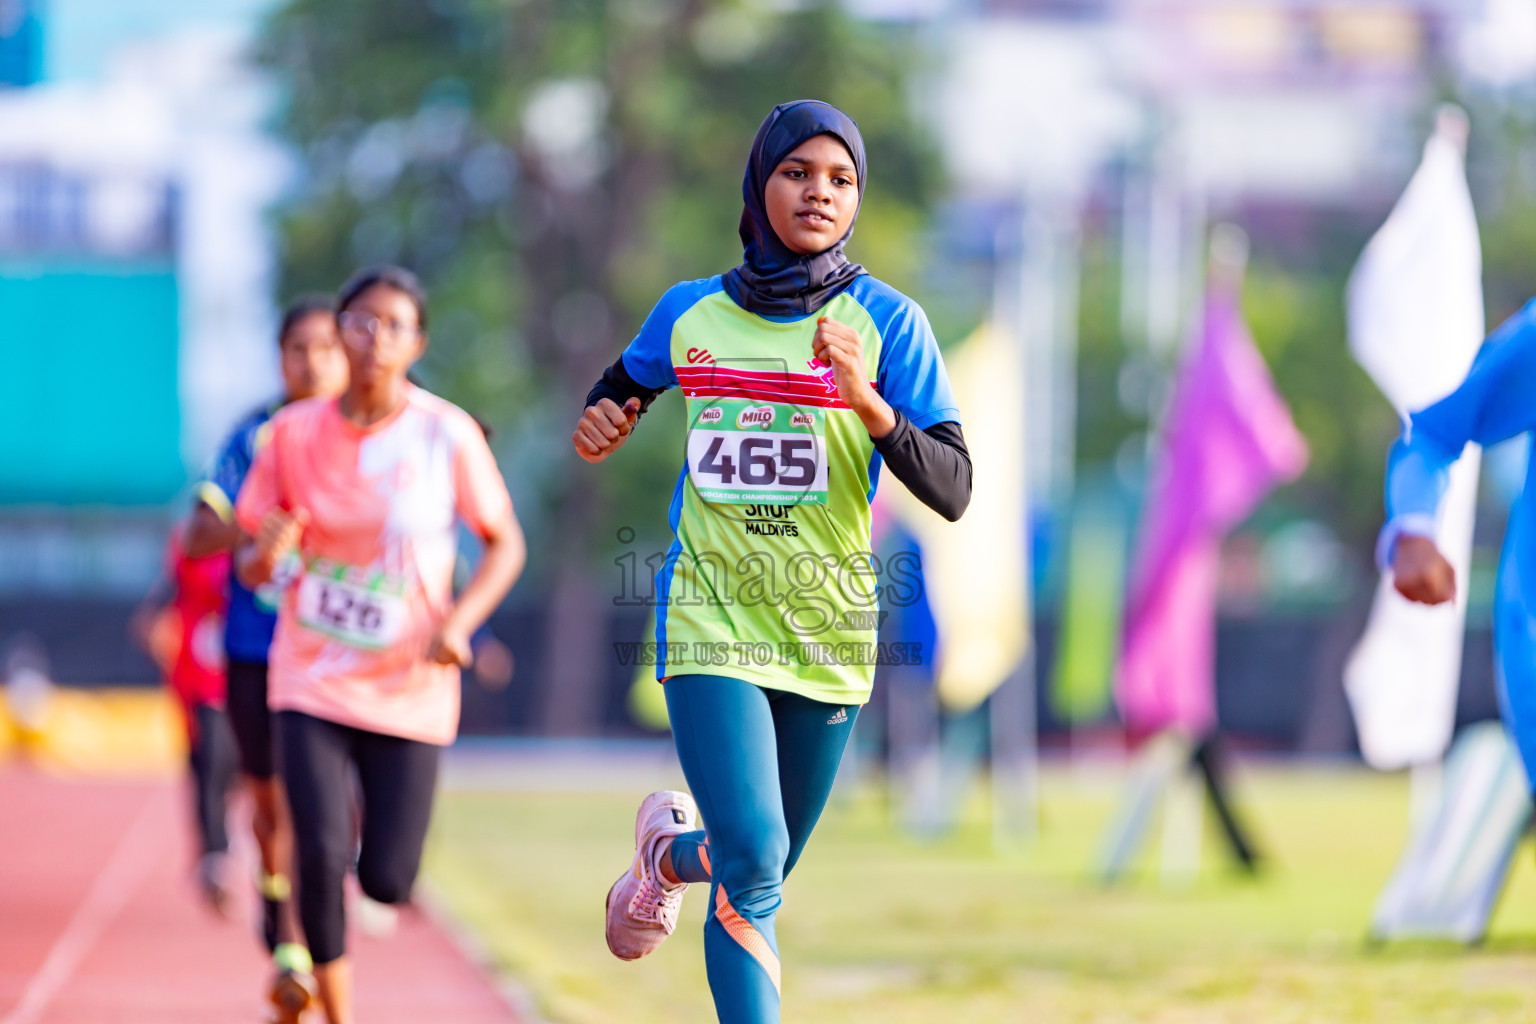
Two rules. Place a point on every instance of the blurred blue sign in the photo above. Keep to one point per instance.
(89, 411)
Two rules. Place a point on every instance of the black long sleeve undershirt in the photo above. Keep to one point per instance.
(934, 464)
(618, 385)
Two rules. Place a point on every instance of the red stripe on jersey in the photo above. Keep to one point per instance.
(759, 385)
(721, 375)
(754, 395)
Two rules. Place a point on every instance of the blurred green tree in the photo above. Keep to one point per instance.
(550, 167)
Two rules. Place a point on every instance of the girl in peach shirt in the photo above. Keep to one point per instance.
(369, 488)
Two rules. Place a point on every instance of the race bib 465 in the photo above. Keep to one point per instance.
(742, 452)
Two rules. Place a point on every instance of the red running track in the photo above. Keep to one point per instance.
(100, 923)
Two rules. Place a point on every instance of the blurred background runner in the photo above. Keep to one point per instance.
(311, 363)
(181, 626)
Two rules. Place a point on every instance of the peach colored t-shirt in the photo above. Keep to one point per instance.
(378, 555)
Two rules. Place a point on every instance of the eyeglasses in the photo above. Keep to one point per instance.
(358, 329)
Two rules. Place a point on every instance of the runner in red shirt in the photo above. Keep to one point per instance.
(182, 626)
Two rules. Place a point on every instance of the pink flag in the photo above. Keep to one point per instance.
(1228, 439)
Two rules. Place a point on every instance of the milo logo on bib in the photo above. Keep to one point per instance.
(755, 416)
(745, 452)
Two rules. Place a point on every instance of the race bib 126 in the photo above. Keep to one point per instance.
(742, 452)
(359, 607)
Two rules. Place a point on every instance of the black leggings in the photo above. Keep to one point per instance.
(213, 761)
(396, 778)
(249, 717)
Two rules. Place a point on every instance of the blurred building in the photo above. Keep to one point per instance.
(136, 277)
(21, 42)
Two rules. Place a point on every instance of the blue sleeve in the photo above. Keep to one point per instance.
(911, 375)
(222, 484)
(648, 359)
(1495, 402)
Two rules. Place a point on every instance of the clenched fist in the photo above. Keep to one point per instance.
(839, 346)
(450, 646)
(279, 534)
(604, 427)
(1421, 573)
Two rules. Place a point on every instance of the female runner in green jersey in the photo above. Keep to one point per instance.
(803, 375)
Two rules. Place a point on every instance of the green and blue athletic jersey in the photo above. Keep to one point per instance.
(770, 577)
(252, 618)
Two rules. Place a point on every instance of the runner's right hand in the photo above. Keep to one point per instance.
(604, 427)
(1421, 573)
(279, 534)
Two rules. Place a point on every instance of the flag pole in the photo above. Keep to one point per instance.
(1024, 300)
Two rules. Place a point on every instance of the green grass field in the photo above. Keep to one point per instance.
(880, 928)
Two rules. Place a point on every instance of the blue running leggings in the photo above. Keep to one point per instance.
(760, 764)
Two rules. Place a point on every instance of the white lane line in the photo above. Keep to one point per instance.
(118, 882)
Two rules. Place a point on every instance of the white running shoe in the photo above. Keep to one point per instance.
(374, 918)
(642, 910)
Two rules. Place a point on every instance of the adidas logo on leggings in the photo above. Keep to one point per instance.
(839, 718)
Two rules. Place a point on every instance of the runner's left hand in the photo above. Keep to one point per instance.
(450, 647)
(837, 345)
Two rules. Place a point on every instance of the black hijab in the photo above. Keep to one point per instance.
(773, 280)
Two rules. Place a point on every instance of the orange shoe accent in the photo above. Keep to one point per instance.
(746, 936)
(704, 858)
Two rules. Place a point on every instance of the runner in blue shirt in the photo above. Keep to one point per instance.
(1496, 401)
(312, 363)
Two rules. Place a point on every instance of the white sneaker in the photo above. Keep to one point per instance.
(642, 910)
(373, 918)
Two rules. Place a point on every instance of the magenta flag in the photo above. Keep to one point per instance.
(1227, 441)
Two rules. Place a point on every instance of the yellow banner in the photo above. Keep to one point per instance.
(976, 570)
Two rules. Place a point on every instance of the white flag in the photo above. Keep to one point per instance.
(1415, 323)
